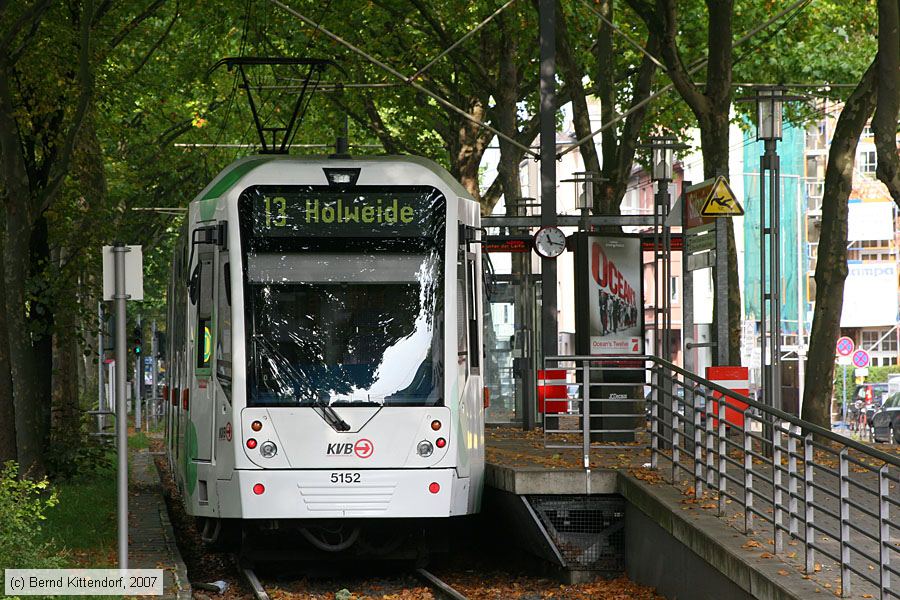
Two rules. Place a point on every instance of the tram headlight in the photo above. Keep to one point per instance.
(425, 448)
(268, 449)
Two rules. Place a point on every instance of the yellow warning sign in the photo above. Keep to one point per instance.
(721, 201)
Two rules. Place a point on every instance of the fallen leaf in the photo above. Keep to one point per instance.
(782, 572)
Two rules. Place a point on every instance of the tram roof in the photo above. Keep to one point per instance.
(231, 175)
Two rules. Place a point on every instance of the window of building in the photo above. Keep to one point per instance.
(867, 132)
(867, 161)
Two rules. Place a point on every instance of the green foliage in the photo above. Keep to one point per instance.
(83, 523)
(23, 504)
(73, 454)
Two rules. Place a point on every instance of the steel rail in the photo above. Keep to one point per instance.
(259, 592)
(443, 589)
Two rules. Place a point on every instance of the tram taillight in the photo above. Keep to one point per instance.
(256, 425)
(251, 443)
(435, 425)
(434, 487)
(258, 489)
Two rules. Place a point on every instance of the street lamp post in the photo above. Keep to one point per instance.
(769, 104)
(584, 194)
(662, 156)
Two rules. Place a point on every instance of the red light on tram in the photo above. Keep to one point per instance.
(434, 487)
(256, 425)
(251, 443)
(435, 425)
(440, 442)
(258, 489)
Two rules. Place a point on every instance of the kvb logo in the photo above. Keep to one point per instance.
(362, 448)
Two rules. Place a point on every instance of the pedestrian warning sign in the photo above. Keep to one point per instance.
(721, 201)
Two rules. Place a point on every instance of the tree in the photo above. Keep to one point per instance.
(878, 90)
(884, 123)
(711, 107)
(831, 264)
(38, 128)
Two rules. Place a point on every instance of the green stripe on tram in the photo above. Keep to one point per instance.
(208, 204)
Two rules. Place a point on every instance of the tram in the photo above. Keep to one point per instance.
(325, 348)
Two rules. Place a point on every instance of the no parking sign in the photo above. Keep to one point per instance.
(860, 359)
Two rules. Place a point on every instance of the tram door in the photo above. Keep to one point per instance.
(201, 406)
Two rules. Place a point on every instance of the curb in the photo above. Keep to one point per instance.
(182, 583)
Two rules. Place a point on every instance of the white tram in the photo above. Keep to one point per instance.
(325, 344)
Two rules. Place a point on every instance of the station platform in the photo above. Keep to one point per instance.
(151, 539)
(671, 540)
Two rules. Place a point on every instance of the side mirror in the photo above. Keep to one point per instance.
(194, 284)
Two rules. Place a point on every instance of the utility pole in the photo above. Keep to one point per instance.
(154, 354)
(549, 344)
(138, 375)
(121, 416)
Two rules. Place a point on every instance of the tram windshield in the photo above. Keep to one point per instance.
(339, 321)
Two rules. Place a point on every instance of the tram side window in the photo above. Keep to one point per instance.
(223, 333)
(204, 293)
(471, 314)
(461, 316)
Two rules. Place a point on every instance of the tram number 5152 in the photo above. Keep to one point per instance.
(345, 477)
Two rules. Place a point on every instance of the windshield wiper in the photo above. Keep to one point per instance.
(331, 417)
(323, 409)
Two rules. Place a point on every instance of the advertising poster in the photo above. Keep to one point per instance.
(870, 295)
(614, 295)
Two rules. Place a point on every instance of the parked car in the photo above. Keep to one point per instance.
(886, 421)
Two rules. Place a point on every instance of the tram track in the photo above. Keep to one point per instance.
(439, 588)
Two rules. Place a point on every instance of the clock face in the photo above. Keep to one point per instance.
(550, 242)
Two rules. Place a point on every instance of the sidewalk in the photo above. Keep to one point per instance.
(151, 539)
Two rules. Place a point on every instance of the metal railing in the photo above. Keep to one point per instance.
(603, 405)
(804, 484)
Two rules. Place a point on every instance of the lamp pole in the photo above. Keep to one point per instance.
(584, 194)
(662, 156)
(769, 104)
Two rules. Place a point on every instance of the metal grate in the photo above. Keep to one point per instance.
(589, 531)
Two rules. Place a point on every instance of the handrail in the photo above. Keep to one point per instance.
(784, 416)
(693, 428)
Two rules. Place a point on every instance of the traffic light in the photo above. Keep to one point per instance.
(136, 340)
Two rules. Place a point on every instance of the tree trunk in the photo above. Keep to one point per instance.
(831, 262)
(23, 367)
(573, 73)
(64, 374)
(714, 138)
(41, 322)
(884, 123)
(467, 148)
(7, 410)
(506, 111)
